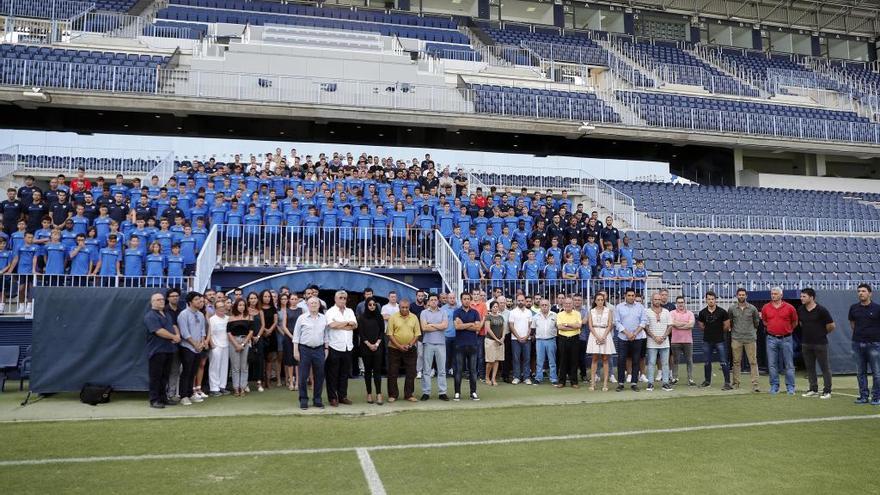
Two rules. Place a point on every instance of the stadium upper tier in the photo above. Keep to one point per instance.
(769, 66)
(436, 29)
(114, 5)
(680, 198)
(543, 103)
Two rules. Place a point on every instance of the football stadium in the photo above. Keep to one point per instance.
(439, 246)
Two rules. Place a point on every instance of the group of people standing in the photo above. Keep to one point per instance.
(440, 335)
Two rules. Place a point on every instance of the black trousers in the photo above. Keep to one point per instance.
(188, 371)
(568, 348)
(812, 353)
(633, 349)
(407, 359)
(160, 368)
(337, 370)
(372, 368)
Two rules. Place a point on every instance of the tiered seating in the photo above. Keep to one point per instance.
(696, 199)
(542, 103)
(114, 5)
(259, 13)
(683, 68)
(106, 165)
(81, 69)
(715, 114)
(42, 9)
(575, 48)
(762, 64)
(741, 258)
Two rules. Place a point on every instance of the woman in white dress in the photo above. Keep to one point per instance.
(600, 343)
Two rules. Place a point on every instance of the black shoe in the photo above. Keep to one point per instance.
(157, 405)
(619, 388)
(443, 397)
(304, 406)
(726, 387)
(319, 405)
(634, 387)
(705, 384)
(171, 402)
(424, 397)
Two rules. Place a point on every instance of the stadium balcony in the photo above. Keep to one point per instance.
(434, 29)
(775, 69)
(114, 5)
(542, 103)
(547, 43)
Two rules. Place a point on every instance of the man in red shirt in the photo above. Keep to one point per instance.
(80, 184)
(780, 319)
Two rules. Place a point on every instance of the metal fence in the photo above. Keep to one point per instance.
(206, 261)
(45, 9)
(67, 159)
(585, 55)
(527, 104)
(448, 265)
(79, 76)
(17, 290)
(119, 25)
(754, 223)
(315, 245)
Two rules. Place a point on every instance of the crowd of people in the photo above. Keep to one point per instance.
(286, 336)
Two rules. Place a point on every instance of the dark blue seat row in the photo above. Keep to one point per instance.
(542, 103)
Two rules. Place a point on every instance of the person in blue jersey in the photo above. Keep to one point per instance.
(520, 234)
(175, 266)
(17, 237)
(232, 247)
(311, 236)
(496, 272)
(505, 239)
(188, 249)
(425, 233)
(608, 276)
(573, 249)
(607, 254)
(364, 234)
(531, 271)
(624, 276)
(154, 264)
(56, 255)
(481, 222)
(7, 267)
(486, 256)
(490, 237)
(114, 230)
(293, 226)
(177, 229)
(200, 233)
(346, 235)
(446, 221)
(41, 238)
(472, 236)
(80, 221)
(627, 252)
(381, 227)
(585, 273)
(473, 269)
(465, 221)
(400, 230)
(81, 260)
(640, 277)
(164, 236)
(570, 273)
(110, 262)
(551, 274)
(95, 245)
(539, 252)
(273, 218)
(217, 212)
(555, 251)
(329, 230)
(133, 260)
(27, 265)
(591, 252)
(456, 241)
(252, 234)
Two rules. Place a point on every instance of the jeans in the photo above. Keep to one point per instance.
(159, 368)
(522, 359)
(568, 358)
(710, 348)
(238, 364)
(174, 374)
(450, 353)
(775, 345)
(546, 350)
(481, 356)
(633, 349)
(430, 352)
(420, 353)
(664, 364)
(688, 350)
(466, 355)
(867, 354)
(311, 359)
(811, 354)
(737, 347)
(338, 369)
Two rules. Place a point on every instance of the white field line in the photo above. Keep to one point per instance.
(501, 441)
(373, 481)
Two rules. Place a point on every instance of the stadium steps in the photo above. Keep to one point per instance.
(692, 51)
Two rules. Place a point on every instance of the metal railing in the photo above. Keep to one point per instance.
(78, 76)
(17, 290)
(45, 9)
(164, 170)
(308, 245)
(757, 223)
(585, 55)
(504, 103)
(206, 261)
(447, 264)
(119, 25)
(67, 159)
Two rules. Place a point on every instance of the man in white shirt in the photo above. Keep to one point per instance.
(519, 323)
(658, 331)
(544, 324)
(341, 323)
(310, 349)
(392, 306)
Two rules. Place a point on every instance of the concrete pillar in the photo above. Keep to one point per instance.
(757, 41)
(737, 165)
(821, 167)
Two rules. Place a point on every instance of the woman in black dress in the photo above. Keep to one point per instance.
(371, 328)
(289, 314)
(255, 357)
(269, 324)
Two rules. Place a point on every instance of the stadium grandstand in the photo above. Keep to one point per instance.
(277, 177)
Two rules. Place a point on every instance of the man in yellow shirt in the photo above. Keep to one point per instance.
(403, 332)
(568, 322)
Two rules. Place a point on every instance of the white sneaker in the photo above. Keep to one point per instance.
(643, 378)
(474, 396)
(810, 394)
(259, 388)
(247, 389)
(197, 398)
(419, 375)
(528, 381)
(515, 381)
(185, 402)
(456, 397)
(451, 372)
(825, 395)
(628, 378)
(612, 379)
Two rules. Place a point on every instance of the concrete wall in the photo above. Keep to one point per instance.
(756, 179)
